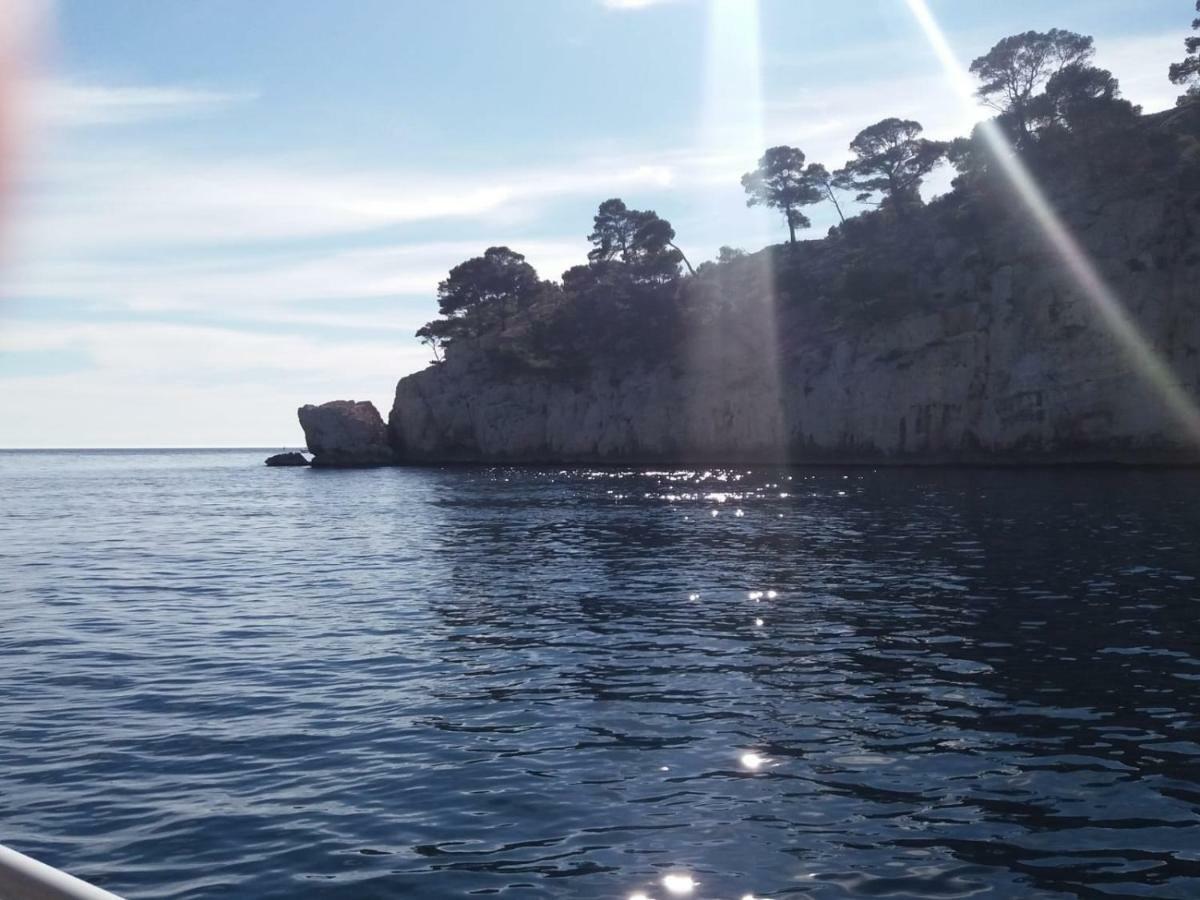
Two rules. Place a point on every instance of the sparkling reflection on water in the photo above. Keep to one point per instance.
(222, 680)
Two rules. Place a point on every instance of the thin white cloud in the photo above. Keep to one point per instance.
(172, 352)
(88, 203)
(823, 121)
(98, 410)
(235, 386)
(66, 103)
(274, 287)
(634, 4)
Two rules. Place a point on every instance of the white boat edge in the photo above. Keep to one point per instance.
(24, 878)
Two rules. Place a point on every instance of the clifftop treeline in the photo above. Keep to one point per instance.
(638, 296)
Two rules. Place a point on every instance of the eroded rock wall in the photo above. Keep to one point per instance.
(1018, 363)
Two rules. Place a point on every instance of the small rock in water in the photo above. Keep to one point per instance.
(287, 459)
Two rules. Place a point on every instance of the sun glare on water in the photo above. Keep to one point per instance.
(752, 761)
(680, 885)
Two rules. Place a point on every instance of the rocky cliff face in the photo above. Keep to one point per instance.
(1005, 359)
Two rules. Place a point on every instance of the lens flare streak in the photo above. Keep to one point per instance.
(733, 130)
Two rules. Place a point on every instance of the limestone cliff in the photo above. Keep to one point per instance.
(965, 344)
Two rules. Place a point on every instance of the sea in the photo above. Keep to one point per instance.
(223, 680)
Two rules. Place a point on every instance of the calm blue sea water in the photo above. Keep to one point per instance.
(223, 680)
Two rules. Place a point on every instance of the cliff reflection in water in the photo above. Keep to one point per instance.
(550, 683)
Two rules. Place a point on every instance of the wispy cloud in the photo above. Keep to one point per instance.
(135, 199)
(174, 352)
(635, 4)
(823, 121)
(102, 410)
(66, 103)
(235, 385)
(276, 287)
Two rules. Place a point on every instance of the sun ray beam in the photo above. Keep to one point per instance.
(733, 127)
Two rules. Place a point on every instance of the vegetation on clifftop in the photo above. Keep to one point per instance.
(1187, 71)
(632, 301)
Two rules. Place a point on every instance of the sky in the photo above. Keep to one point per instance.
(220, 211)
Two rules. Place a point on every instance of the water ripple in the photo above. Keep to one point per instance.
(222, 680)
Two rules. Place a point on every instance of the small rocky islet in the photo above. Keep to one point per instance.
(290, 459)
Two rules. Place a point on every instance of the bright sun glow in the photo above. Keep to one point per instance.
(678, 884)
(752, 761)
(1146, 361)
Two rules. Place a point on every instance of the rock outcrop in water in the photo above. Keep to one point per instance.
(346, 434)
(956, 336)
(283, 460)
